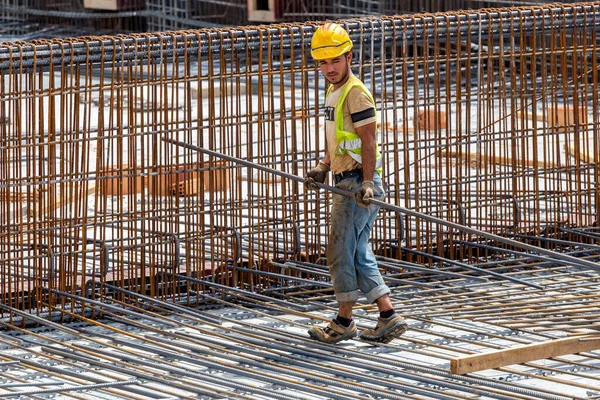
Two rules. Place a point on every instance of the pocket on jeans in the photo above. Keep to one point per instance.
(347, 184)
(378, 192)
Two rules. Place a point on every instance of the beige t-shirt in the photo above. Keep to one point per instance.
(357, 104)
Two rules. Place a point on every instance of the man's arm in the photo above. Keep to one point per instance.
(368, 136)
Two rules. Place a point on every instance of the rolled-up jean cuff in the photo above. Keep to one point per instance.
(347, 297)
(376, 293)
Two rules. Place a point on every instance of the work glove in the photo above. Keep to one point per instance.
(364, 195)
(317, 174)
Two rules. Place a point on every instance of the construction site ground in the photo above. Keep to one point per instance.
(246, 345)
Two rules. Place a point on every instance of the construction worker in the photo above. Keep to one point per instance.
(352, 154)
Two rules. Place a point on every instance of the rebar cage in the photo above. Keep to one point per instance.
(32, 19)
(487, 118)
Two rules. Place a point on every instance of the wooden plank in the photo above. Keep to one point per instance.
(558, 116)
(83, 191)
(584, 156)
(477, 160)
(523, 353)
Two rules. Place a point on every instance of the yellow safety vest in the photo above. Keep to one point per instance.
(349, 142)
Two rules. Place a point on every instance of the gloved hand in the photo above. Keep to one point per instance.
(364, 195)
(317, 174)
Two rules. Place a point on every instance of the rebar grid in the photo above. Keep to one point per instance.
(487, 118)
(237, 345)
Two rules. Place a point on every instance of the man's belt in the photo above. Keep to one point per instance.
(348, 174)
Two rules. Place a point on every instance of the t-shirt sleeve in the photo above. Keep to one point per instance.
(360, 107)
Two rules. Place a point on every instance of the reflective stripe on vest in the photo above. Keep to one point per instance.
(349, 142)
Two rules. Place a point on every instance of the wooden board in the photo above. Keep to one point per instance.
(477, 160)
(558, 116)
(81, 194)
(520, 354)
(583, 154)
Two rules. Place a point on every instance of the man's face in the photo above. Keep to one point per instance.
(335, 69)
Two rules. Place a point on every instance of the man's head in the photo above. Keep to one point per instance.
(331, 47)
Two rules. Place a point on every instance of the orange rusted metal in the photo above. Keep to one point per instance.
(477, 125)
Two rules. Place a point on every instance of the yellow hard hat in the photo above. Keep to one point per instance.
(330, 41)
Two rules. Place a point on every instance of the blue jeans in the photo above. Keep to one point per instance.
(352, 264)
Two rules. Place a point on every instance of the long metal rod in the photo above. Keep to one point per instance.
(476, 269)
(390, 264)
(171, 306)
(463, 228)
(234, 290)
(71, 388)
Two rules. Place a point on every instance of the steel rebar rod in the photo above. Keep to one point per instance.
(403, 210)
(58, 372)
(71, 388)
(238, 291)
(394, 264)
(171, 306)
